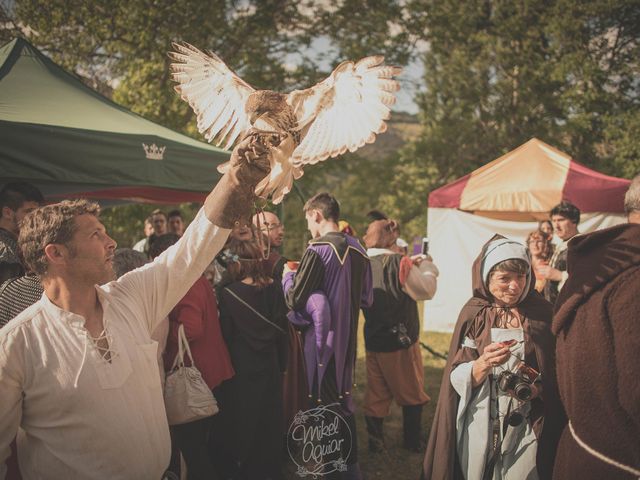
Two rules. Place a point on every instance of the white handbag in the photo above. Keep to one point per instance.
(186, 395)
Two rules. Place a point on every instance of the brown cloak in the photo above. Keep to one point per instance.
(598, 344)
(479, 315)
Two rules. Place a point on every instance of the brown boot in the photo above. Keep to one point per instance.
(232, 198)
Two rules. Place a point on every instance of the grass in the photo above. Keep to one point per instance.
(396, 463)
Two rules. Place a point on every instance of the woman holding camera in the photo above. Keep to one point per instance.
(498, 413)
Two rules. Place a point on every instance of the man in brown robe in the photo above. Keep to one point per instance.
(596, 323)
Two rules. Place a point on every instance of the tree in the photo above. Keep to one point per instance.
(597, 58)
(498, 73)
(120, 47)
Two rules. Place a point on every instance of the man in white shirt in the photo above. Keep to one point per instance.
(565, 218)
(78, 369)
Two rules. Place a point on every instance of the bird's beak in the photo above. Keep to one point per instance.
(253, 117)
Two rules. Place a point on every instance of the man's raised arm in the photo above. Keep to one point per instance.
(160, 285)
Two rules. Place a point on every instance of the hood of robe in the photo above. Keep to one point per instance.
(593, 259)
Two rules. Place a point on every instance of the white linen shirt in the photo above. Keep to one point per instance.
(81, 416)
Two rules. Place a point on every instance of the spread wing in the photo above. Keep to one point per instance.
(215, 93)
(344, 111)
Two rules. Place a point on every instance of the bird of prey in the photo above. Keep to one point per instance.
(343, 112)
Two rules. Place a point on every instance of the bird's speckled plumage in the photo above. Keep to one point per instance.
(342, 113)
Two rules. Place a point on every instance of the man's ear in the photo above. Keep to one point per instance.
(7, 213)
(56, 253)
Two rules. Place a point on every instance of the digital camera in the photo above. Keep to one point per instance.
(518, 384)
(402, 336)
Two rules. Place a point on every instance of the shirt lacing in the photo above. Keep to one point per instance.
(106, 354)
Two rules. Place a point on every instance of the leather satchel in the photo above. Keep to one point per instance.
(187, 397)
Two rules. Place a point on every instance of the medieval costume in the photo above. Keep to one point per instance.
(391, 331)
(254, 326)
(597, 349)
(314, 323)
(337, 265)
(471, 436)
(294, 383)
(559, 262)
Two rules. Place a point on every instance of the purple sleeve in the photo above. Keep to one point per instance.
(287, 281)
(318, 307)
(316, 312)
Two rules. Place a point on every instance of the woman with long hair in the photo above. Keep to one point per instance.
(541, 249)
(546, 227)
(253, 316)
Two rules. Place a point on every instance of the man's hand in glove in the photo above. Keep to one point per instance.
(232, 198)
(250, 159)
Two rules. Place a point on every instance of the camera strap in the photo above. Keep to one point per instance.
(496, 441)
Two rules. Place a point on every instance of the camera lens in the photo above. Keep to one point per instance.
(522, 391)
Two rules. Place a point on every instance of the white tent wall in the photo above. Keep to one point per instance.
(455, 240)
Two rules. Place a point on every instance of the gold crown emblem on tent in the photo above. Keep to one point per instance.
(153, 152)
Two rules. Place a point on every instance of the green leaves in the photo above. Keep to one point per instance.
(496, 73)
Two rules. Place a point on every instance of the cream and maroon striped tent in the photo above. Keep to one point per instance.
(508, 196)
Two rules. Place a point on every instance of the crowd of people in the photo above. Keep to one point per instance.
(89, 332)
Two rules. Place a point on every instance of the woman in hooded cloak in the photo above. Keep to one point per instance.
(498, 415)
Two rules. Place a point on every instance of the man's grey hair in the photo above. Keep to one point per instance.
(632, 198)
(127, 259)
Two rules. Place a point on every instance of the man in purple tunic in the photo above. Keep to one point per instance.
(337, 265)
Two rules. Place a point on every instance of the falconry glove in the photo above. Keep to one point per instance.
(231, 200)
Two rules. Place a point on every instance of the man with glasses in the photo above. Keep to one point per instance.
(270, 226)
(272, 231)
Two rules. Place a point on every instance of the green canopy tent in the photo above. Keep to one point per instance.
(70, 141)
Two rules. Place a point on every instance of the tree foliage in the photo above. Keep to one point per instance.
(122, 45)
(496, 73)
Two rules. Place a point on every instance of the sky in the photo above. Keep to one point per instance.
(410, 79)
